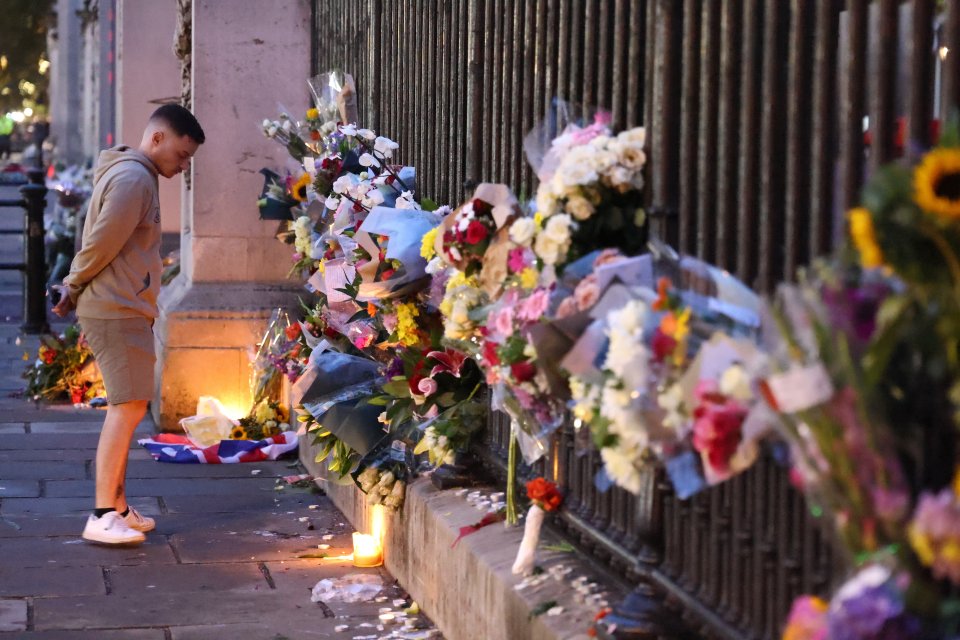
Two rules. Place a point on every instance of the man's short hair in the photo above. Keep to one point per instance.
(180, 120)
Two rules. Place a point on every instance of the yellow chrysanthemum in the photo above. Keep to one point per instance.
(312, 114)
(238, 433)
(427, 244)
(407, 331)
(529, 278)
(936, 183)
(299, 188)
(864, 238)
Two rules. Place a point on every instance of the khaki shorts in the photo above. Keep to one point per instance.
(124, 351)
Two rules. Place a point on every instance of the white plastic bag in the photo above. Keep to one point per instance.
(210, 425)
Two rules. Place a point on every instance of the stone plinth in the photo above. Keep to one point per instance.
(247, 57)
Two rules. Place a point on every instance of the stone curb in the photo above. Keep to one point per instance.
(468, 591)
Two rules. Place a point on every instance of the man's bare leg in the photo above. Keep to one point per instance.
(112, 450)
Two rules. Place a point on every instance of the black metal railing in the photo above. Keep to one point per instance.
(756, 113)
(33, 201)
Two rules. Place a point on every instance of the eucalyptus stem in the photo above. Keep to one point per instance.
(512, 518)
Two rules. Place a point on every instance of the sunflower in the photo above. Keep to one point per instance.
(936, 183)
(238, 433)
(299, 188)
(864, 238)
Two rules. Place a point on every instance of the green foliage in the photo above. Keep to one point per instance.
(23, 41)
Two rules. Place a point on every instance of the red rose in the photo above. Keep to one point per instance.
(663, 345)
(490, 354)
(544, 493)
(476, 232)
(292, 331)
(387, 273)
(523, 371)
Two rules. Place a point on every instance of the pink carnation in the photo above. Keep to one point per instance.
(533, 308)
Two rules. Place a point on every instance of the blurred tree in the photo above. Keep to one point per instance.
(23, 44)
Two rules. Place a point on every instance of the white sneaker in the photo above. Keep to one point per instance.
(111, 528)
(138, 521)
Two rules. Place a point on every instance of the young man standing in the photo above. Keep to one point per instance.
(113, 285)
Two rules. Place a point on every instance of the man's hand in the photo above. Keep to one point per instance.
(65, 305)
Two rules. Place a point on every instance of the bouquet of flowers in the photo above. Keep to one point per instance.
(64, 368)
(868, 398)
(590, 194)
(268, 418)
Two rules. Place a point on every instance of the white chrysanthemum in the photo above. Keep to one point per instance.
(621, 466)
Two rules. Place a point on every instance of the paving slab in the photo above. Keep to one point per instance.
(315, 626)
(248, 545)
(51, 581)
(40, 526)
(13, 615)
(40, 470)
(298, 576)
(90, 634)
(66, 506)
(166, 487)
(260, 500)
(19, 488)
(44, 455)
(76, 552)
(153, 469)
(29, 441)
(235, 576)
(12, 427)
(184, 609)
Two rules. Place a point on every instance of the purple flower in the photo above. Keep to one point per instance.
(870, 607)
(395, 368)
(853, 309)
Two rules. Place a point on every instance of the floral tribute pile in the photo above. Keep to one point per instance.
(63, 370)
(422, 317)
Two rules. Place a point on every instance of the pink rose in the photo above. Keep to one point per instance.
(567, 308)
(533, 308)
(587, 292)
(502, 321)
(427, 386)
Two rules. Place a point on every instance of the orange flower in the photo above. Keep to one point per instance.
(663, 286)
(371, 309)
(544, 494)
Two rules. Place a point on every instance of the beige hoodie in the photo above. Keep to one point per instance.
(116, 273)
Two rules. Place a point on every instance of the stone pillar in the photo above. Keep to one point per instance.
(247, 56)
(148, 75)
(65, 90)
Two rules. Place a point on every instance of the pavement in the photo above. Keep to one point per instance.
(227, 557)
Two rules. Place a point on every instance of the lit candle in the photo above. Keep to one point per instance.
(366, 551)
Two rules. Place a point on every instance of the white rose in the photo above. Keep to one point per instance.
(547, 249)
(636, 136)
(632, 157)
(546, 201)
(580, 207)
(522, 230)
(557, 229)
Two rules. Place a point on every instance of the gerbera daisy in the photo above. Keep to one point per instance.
(936, 183)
